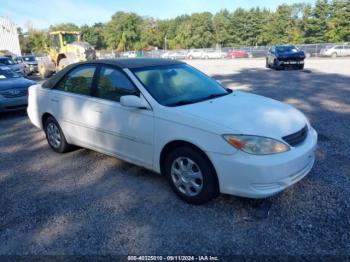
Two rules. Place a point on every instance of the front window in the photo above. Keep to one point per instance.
(70, 38)
(177, 85)
(288, 48)
(29, 58)
(6, 61)
(113, 84)
(6, 73)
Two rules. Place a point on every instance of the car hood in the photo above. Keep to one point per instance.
(245, 113)
(15, 83)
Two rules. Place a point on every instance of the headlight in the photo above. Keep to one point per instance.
(256, 145)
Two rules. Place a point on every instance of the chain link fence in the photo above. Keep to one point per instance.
(311, 50)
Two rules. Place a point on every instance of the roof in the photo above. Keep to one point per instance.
(135, 62)
(121, 63)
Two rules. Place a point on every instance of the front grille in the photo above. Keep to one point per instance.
(297, 137)
(291, 59)
(13, 93)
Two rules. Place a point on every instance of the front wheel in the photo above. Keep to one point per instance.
(191, 176)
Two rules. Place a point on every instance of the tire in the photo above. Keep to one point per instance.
(267, 65)
(275, 66)
(334, 55)
(58, 144)
(195, 181)
(300, 67)
(190, 57)
(63, 63)
(43, 71)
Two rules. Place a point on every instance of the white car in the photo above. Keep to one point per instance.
(213, 54)
(336, 50)
(129, 54)
(169, 117)
(194, 54)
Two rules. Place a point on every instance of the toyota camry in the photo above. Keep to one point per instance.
(171, 118)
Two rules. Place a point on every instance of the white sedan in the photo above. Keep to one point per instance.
(169, 117)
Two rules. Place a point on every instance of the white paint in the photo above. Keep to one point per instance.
(9, 37)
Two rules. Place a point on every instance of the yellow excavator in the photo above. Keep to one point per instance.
(64, 48)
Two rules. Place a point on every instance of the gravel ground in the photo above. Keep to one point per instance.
(84, 202)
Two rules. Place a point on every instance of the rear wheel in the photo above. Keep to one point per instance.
(334, 55)
(191, 176)
(55, 136)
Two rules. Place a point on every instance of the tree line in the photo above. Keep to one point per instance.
(325, 21)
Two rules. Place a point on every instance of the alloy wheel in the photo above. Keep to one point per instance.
(186, 176)
(53, 135)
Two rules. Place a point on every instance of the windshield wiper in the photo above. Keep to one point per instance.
(182, 102)
(211, 96)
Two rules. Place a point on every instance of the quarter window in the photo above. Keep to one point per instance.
(112, 84)
(78, 81)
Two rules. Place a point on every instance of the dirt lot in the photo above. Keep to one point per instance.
(84, 202)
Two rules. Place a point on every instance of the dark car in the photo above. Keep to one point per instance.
(7, 61)
(13, 90)
(282, 56)
(30, 64)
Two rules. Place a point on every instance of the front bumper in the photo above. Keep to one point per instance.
(291, 63)
(254, 176)
(13, 104)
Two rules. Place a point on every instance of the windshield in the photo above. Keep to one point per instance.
(7, 73)
(6, 61)
(29, 58)
(289, 48)
(70, 38)
(177, 85)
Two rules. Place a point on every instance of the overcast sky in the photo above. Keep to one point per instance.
(42, 13)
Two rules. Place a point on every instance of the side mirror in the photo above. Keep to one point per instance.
(134, 102)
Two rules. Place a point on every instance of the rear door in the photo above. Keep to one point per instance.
(70, 102)
(126, 132)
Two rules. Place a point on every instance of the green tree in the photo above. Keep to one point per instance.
(222, 27)
(94, 35)
(281, 27)
(64, 27)
(339, 22)
(316, 26)
(127, 24)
